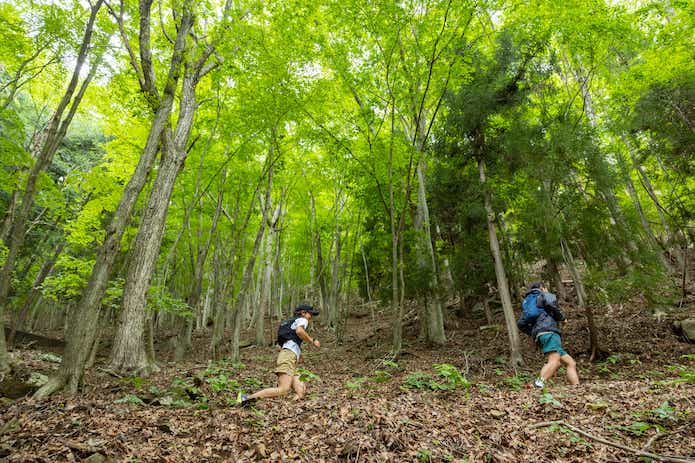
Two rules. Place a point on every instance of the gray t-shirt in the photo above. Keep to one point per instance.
(291, 345)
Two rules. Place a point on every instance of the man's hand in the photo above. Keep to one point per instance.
(317, 343)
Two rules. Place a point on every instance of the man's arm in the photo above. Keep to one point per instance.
(551, 306)
(524, 325)
(304, 336)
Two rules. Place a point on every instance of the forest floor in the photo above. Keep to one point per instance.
(361, 406)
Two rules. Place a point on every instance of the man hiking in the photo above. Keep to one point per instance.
(291, 334)
(539, 319)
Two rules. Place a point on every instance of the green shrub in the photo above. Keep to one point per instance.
(356, 383)
(306, 375)
(381, 376)
(452, 379)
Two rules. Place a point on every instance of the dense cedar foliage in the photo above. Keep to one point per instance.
(178, 170)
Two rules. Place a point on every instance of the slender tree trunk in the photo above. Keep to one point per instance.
(319, 257)
(581, 300)
(264, 306)
(80, 336)
(433, 315)
(226, 285)
(246, 280)
(648, 232)
(265, 270)
(333, 306)
(556, 277)
(647, 184)
(515, 347)
(221, 279)
(9, 217)
(445, 270)
(366, 279)
(396, 307)
(35, 290)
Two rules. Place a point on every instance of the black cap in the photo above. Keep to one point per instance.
(305, 308)
(536, 285)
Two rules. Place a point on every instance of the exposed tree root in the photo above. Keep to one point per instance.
(641, 453)
(53, 385)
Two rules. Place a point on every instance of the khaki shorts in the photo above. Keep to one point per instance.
(286, 363)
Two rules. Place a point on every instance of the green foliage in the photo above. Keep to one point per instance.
(390, 364)
(68, 279)
(637, 428)
(221, 383)
(253, 382)
(160, 299)
(652, 283)
(517, 381)
(356, 383)
(136, 381)
(685, 375)
(453, 377)
(664, 412)
(450, 374)
(131, 399)
(424, 456)
(306, 375)
(381, 376)
(418, 380)
(547, 398)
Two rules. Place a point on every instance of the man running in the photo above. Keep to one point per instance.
(539, 320)
(291, 334)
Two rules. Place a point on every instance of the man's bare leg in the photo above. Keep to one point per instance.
(283, 387)
(551, 366)
(299, 387)
(571, 366)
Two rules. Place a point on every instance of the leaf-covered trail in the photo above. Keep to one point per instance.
(356, 409)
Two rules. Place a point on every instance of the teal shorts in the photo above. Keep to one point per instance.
(551, 342)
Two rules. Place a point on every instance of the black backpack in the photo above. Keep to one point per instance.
(286, 333)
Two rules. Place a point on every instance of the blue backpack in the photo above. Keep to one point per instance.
(530, 307)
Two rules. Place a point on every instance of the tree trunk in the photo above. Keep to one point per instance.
(647, 184)
(433, 315)
(226, 280)
(447, 278)
(648, 232)
(246, 280)
(333, 306)
(510, 320)
(80, 336)
(129, 353)
(9, 217)
(555, 276)
(266, 269)
(319, 257)
(35, 290)
(366, 279)
(581, 300)
(396, 308)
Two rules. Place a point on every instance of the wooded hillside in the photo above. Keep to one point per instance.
(177, 176)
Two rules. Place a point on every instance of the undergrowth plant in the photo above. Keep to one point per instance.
(448, 377)
(306, 375)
